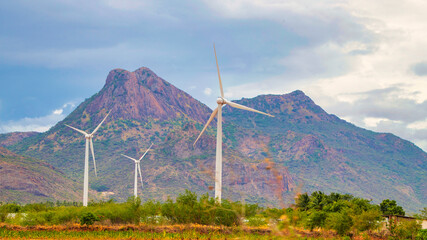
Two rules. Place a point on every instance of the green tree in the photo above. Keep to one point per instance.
(340, 222)
(390, 207)
(302, 202)
(316, 219)
(367, 220)
(318, 200)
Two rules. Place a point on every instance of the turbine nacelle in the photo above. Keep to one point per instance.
(221, 101)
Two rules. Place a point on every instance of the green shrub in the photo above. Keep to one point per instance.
(368, 220)
(225, 214)
(316, 219)
(88, 218)
(407, 229)
(257, 221)
(11, 208)
(340, 222)
(422, 235)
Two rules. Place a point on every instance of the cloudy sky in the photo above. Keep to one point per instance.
(364, 61)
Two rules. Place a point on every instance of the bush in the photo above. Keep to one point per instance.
(316, 219)
(422, 235)
(257, 221)
(340, 222)
(407, 229)
(368, 220)
(88, 218)
(11, 208)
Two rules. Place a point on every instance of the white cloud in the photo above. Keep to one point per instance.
(207, 91)
(361, 49)
(57, 112)
(37, 124)
(418, 125)
(373, 122)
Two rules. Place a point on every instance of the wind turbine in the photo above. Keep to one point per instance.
(137, 169)
(221, 101)
(89, 144)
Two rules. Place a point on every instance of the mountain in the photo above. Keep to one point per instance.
(330, 154)
(12, 138)
(26, 180)
(266, 160)
(147, 109)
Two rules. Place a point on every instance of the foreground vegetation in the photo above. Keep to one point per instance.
(189, 216)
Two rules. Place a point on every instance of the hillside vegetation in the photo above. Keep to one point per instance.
(266, 160)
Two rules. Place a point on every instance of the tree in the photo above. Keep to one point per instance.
(302, 202)
(339, 221)
(368, 220)
(389, 207)
(316, 219)
(318, 200)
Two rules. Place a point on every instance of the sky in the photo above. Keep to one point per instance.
(364, 61)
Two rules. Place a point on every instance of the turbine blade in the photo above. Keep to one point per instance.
(133, 159)
(219, 76)
(145, 152)
(235, 105)
(78, 130)
(93, 156)
(140, 174)
(207, 124)
(96, 129)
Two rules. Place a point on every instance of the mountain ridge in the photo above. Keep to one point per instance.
(29, 180)
(262, 155)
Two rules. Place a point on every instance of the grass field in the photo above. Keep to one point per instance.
(190, 231)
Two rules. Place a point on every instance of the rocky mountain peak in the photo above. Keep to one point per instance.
(295, 104)
(140, 95)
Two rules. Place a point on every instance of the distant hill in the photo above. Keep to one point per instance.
(329, 154)
(266, 160)
(12, 138)
(27, 180)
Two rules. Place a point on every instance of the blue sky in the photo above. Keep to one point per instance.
(364, 61)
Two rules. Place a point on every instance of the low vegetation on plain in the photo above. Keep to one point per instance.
(315, 216)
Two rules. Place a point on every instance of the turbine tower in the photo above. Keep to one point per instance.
(137, 169)
(221, 101)
(89, 144)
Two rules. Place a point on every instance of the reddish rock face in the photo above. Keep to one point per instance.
(142, 94)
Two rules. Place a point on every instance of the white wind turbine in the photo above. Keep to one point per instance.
(89, 143)
(137, 169)
(221, 102)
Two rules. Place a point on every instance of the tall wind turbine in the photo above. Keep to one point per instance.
(137, 169)
(218, 111)
(89, 144)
